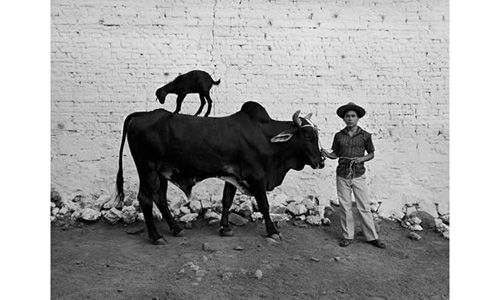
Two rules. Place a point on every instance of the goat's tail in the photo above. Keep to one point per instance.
(216, 82)
(119, 175)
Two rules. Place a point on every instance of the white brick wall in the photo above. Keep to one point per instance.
(108, 58)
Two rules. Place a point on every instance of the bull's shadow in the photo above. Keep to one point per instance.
(248, 150)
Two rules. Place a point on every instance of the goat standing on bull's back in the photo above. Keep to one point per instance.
(196, 81)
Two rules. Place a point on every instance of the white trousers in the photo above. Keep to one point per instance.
(358, 187)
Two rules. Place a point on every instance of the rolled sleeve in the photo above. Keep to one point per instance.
(369, 144)
(336, 145)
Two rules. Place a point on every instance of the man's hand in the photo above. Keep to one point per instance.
(326, 154)
(358, 160)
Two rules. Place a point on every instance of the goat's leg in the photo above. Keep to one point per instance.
(203, 101)
(209, 100)
(180, 98)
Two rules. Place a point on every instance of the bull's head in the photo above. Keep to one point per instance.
(306, 134)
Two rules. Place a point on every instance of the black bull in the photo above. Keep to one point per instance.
(248, 149)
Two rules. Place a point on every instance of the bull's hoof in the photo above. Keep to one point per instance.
(275, 236)
(178, 233)
(226, 232)
(159, 242)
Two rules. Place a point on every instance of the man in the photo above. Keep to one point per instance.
(349, 145)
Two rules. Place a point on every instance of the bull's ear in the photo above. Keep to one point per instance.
(308, 116)
(282, 137)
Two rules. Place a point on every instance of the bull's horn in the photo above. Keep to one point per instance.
(308, 116)
(296, 118)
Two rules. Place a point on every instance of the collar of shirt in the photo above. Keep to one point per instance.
(358, 131)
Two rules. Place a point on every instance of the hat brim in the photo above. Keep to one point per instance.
(348, 107)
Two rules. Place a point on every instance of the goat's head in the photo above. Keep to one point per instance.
(162, 93)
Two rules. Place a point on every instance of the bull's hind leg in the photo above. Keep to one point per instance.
(227, 201)
(163, 207)
(149, 188)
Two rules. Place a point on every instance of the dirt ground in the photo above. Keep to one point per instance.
(101, 261)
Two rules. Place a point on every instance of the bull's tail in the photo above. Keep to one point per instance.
(119, 175)
(216, 82)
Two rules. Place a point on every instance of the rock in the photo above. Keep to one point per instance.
(309, 203)
(244, 204)
(239, 248)
(414, 220)
(105, 201)
(299, 223)
(212, 215)
(237, 220)
(176, 212)
(336, 258)
(52, 205)
(279, 200)
(256, 216)
(427, 220)
(315, 259)
(156, 213)
(55, 197)
(140, 217)
(136, 204)
(63, 210)
(206, 204)
(313, 220)
(52, 218)
(320, 209)
(245, 213)
(446, 219)
(278, 209)
(213, 222)
(414, 236)
(184, 210)
(258, 274)
(55, 210)
(446, 234)
(297, 209)
(128, 200)
(326, 222)
(227, 276)
(415, 227)
(77, 214)
(195, 206)
(279, 218)
(301, 218)
(129, 214)
(113, 215)
(189, 217)
(89, 214)
(207, 247)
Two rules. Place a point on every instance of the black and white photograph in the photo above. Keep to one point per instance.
(249, 149)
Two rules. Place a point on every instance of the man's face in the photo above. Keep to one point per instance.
(351, 118)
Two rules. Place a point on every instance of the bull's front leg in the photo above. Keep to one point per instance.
(227, 201)
(260, 195)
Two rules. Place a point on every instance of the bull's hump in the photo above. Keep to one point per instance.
(255, 111)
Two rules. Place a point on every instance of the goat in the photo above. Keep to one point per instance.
(195, 81)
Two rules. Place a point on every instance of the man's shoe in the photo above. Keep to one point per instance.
(377, 243)
(345, 242)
